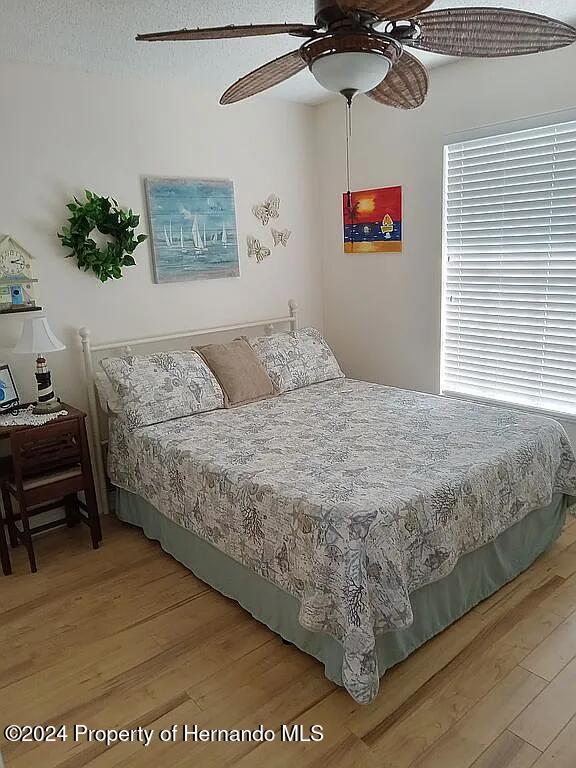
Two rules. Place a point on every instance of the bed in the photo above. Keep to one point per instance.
(354, 519)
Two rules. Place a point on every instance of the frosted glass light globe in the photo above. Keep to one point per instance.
(357, 71)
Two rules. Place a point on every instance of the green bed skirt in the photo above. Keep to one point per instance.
(476, 576)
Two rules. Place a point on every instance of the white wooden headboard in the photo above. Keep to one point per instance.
(119, 348)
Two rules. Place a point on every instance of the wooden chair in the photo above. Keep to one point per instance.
(4, 552)
(49, 470)
(5, 474)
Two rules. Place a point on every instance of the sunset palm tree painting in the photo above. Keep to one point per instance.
(373, 221)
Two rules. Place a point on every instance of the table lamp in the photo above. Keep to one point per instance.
(38, 338)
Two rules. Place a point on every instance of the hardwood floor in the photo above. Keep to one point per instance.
(126, 637)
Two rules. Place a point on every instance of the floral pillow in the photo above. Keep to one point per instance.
(296, 359)
(150, 389)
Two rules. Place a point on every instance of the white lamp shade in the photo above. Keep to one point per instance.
(357, 71)
(37, 337)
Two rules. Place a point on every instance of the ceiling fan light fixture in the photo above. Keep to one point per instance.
(356, 46)
(351, 63)
(352, 71)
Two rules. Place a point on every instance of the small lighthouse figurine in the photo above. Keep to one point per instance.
(46, 397)
(38, 338)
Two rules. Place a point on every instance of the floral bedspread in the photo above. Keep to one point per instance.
(348, 495)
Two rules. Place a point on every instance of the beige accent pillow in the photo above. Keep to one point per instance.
(239, 372)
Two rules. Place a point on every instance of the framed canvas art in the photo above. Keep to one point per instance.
(192, 228)
(373, 222)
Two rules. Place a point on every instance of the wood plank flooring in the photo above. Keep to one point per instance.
(126, 637)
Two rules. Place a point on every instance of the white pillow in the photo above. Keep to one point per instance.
(296, 359)
(108, 400)
(149, 389)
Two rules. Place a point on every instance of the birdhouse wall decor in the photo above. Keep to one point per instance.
(17, 281)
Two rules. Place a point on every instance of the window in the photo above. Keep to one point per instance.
(509, 288)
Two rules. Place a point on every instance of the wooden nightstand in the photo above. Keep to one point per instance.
(48, 467)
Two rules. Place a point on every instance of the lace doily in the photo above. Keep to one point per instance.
(25, 417)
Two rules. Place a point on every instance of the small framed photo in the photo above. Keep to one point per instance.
(8, 394)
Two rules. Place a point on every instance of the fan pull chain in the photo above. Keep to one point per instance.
(348, 175)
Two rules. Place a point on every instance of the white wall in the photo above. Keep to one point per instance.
(382, 311)
(63, 131)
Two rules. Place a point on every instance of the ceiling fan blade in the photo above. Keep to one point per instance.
(406, 85)
(391, 10)
(488, 32)
(217, 33)
(265, 77)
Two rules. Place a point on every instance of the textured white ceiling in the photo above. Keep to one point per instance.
(98, 36)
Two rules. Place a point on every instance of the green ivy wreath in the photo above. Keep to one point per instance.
(103, 214)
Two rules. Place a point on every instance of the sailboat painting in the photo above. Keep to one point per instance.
(193, 228)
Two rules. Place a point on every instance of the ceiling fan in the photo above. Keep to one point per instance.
(358, 46)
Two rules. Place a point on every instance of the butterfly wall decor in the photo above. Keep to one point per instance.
(280, 237)
(256, 249)
(270, 209)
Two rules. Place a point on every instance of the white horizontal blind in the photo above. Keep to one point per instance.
(509, 293)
